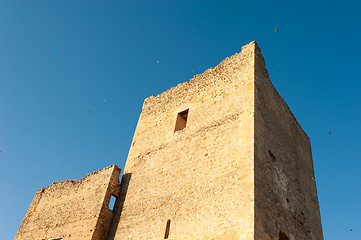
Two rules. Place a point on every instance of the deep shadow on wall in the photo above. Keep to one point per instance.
(118, 206)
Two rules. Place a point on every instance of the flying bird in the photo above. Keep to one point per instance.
(158, 61)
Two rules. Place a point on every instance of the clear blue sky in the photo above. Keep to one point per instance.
(111, 50)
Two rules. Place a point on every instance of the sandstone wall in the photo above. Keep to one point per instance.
(240, 169)
(199, 178)
(286, 202)
(72, 209)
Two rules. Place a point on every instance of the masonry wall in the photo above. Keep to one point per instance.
(72, 209)
(241, 169)
(286, 203)
(200, 178)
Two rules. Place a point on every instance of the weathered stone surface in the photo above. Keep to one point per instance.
(240, 169)
(285, 188)
(201, 178)
(72, 209)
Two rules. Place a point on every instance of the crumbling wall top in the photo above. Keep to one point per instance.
(230, 69)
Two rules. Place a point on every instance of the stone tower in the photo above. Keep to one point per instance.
(219, 157)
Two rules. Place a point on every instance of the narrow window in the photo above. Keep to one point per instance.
(112, 202)
(166, 234)
(181, 120)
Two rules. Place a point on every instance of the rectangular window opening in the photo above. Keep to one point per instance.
(181, 120)
(112, 202)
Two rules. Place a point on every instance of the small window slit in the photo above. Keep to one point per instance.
(167, 228)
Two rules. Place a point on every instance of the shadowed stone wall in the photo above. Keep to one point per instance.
(286, 203)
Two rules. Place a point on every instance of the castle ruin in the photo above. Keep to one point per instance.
(219, 157)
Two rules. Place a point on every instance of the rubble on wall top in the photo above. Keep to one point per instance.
(208, 78)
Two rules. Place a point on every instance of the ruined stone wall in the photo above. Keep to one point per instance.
(72, 209)
(200, 178)
(286, 201)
